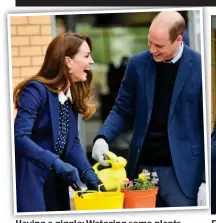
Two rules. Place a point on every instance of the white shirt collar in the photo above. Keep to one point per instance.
(63, 97)
(178, 55)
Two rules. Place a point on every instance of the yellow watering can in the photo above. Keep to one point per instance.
(113, 175)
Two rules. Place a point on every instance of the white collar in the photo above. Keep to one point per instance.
(178, 55)
(63, 97)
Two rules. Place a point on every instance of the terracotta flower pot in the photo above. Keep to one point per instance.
(140, 198)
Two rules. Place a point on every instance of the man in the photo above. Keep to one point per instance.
(162, 92)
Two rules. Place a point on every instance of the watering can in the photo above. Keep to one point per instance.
(113, 175)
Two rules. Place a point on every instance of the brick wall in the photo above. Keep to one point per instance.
(30, 36)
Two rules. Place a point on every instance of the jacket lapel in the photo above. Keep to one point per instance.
(150, 84)
(54, 108)
(182, 74)
(73, 129)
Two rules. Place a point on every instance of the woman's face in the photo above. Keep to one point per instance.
(81, 62)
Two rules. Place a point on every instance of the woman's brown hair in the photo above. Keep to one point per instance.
(53, 73)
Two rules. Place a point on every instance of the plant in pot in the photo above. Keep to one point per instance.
(141, 192)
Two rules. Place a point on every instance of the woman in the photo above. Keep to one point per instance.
(49, 157)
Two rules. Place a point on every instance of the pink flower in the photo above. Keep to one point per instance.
(128, 182)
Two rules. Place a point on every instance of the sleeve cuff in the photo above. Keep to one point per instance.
(100, 137)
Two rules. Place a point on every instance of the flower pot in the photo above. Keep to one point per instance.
(140, 198)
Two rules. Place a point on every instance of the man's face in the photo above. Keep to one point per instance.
(160, 46)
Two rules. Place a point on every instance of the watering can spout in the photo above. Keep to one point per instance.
(113, 175)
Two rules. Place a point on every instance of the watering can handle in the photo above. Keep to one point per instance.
(80, 193)
(117, 185)
(95, 167)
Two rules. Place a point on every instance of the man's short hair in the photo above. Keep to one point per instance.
(177, 29)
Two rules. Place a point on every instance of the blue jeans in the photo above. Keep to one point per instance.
(170, 193)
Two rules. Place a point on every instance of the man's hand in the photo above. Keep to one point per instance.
(99, 149)
(201, 197)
